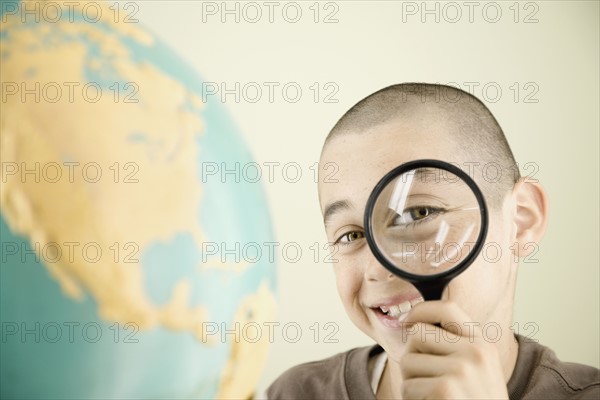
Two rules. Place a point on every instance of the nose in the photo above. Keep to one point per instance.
(375, 272)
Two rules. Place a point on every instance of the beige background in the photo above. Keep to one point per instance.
(371, 47)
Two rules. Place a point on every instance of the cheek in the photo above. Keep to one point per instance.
(497, 254)
(348, 281)
(494, 261)
(489, 278)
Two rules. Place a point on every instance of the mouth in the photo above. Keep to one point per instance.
(392, 314)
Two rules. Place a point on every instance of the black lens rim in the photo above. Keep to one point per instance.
(426, 163)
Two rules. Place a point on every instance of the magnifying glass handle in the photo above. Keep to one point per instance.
(432, 290)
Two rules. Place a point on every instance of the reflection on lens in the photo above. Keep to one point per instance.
(426, 221)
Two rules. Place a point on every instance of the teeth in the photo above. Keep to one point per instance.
(405, 307)
(394, 311)
(402, 308)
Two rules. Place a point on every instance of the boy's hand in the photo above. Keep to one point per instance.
(455, 363)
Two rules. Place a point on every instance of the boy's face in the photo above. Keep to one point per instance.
(484, 291)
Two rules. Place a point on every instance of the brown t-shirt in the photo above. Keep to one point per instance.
(538, 374)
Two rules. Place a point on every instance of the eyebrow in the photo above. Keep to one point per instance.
(333, 208)
(447, 176)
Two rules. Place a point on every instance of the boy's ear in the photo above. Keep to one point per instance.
(530, 215)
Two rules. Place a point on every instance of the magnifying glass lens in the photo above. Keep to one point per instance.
(426, 221)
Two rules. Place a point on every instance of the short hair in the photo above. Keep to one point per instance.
(478, 137)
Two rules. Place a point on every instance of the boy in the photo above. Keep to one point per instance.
(439, 349)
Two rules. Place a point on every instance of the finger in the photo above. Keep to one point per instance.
(425, 388)
(431, 339)
(416, 388)
(419, 365)
(445, 313)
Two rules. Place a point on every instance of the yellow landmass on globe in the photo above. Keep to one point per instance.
(247, 355)
(114, 194)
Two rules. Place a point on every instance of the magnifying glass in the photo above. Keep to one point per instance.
(426, 221)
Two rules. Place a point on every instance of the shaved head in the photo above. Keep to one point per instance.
(473, 133)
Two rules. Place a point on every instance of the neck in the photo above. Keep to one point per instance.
(508, 349)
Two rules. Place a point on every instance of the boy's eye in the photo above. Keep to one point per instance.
(415, 214)
(350, 237)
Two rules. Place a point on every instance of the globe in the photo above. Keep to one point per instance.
(121, 272)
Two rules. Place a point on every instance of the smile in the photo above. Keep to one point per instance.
(391, 316)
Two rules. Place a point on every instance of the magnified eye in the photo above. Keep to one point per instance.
(415, 214)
